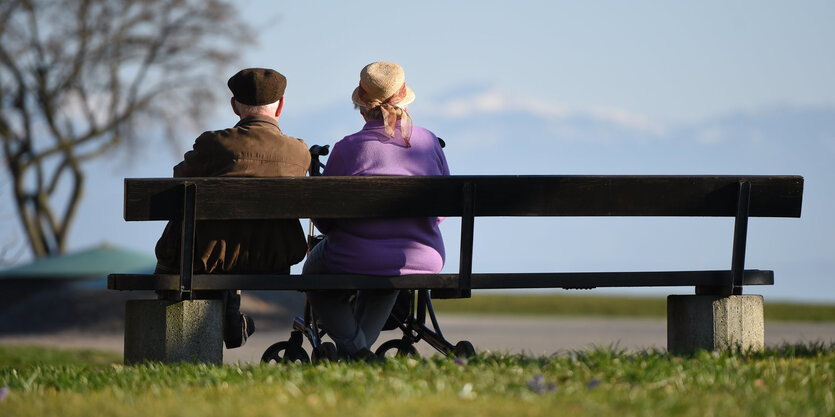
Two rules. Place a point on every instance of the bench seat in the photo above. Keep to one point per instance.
(566, 280)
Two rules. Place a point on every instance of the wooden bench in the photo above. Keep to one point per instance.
(741, 197)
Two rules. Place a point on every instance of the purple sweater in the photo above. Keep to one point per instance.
(384, 246)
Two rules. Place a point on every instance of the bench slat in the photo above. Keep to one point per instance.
(568, 280)
(336, 197)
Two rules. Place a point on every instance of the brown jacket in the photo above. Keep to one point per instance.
(255, 147)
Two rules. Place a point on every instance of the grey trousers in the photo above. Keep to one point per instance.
(355, 327)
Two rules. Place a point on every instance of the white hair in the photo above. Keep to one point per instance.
(247, 110)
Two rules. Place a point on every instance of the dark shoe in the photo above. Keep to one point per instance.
(236, 332)
(249, 327)
(237, 326)
(366, 355)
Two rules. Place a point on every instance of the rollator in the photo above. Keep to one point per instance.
(409, 315)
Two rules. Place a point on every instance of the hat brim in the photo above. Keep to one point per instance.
(408, 99)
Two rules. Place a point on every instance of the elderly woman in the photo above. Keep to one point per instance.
(388, 144)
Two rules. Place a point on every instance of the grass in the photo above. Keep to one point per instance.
(566, 305)
(792, 380)
(19, 357)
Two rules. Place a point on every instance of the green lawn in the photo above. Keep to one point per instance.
(794, 380)
(567, 305)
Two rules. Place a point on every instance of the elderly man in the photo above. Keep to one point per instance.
(254, 147)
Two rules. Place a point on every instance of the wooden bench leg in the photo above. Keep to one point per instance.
(714, 322)
(174, 331)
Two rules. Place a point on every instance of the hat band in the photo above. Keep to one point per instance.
(393, 99)
(389, 110)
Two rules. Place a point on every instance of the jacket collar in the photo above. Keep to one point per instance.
(257, 118)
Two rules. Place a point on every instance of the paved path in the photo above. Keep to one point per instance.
(532, 335)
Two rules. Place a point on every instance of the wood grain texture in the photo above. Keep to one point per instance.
(352, 197)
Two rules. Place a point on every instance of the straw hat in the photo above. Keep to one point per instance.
(383, 82)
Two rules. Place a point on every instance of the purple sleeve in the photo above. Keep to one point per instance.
(444, 166)
(335, 165)
(444, 171)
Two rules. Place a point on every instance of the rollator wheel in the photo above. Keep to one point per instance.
(396, 347)
(326, 352)
(463, 349)
(285, 352)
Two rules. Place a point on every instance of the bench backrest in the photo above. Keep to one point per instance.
(192, 199)
(346, 197)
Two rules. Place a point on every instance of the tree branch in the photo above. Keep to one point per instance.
(77, 76)
(56, 176)
(72, 204)
(32, 228)
(80, 54)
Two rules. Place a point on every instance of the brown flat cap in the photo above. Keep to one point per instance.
(257, 86)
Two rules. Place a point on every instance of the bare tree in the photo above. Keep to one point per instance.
(79, 78)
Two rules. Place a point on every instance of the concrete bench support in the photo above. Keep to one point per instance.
(712, 323)
(170, 331)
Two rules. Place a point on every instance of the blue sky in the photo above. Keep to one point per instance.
(671, 62)
(602, 87)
